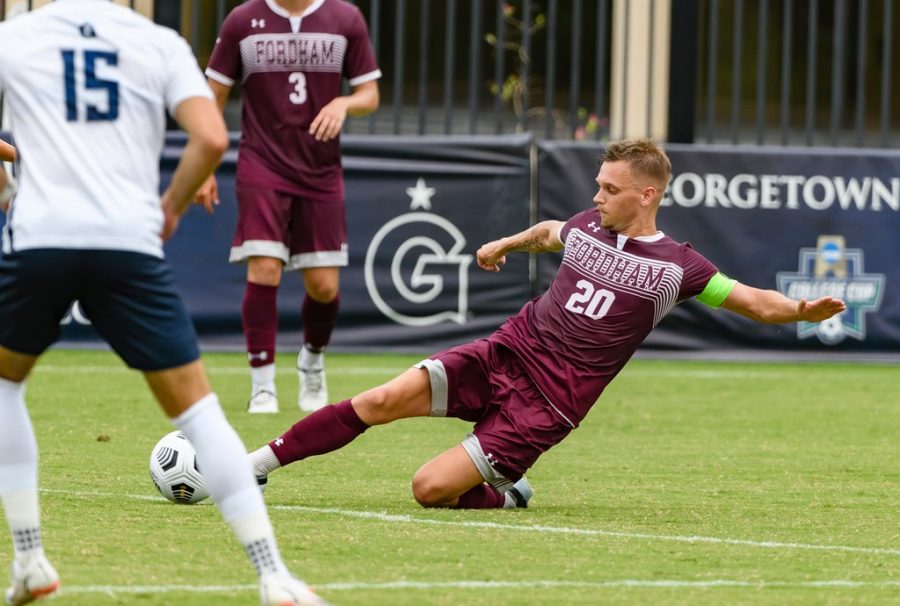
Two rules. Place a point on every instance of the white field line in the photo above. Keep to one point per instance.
(537, 584)
(562, 530)
(395, 370)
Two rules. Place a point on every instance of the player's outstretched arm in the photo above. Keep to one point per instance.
(7, 152)
(772, 307)
(207, 141)
(541, 237)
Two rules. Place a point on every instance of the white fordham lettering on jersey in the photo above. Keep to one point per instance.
(293, 52)
(658, 281)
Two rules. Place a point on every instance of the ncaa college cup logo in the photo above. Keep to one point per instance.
(425, 248)
(833, 269)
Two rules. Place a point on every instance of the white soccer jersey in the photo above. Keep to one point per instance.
(87, 84)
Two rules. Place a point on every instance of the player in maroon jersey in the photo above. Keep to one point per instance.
(290, 58)
(531, 382)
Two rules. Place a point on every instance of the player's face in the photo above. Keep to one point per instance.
(618, 197)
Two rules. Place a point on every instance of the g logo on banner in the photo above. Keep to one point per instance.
(423, 287)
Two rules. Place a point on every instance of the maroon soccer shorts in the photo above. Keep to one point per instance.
(484, 382)
(301, 232)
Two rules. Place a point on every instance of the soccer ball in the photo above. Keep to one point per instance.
(174, 470)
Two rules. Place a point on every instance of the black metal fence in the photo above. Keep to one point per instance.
(778, 72)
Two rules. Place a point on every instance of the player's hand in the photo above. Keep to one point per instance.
(330, 121)
(208, 194)
(170, 220)
(491, 257)
(820, 309)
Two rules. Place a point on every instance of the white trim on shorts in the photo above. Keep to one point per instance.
(258, 248)
(483, 464)
(322, 258)
(437, 374)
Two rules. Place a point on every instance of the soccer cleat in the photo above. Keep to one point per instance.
(285, 590)
(263, 402)
(32, 579)
(313, 389)
(522, 492)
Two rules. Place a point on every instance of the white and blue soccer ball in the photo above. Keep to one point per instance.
(174, 470)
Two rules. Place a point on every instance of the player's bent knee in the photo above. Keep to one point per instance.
(428, 492)
(322, 292)
(376, 406)
(264, 271)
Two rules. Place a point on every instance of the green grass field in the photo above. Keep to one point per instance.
(689, 483)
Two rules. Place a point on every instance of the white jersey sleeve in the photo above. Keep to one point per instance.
(185, 80)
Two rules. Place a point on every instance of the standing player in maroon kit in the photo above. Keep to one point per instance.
(290, 58)
(531, 382)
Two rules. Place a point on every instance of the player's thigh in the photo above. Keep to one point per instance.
(318, 234)
(132, 301)
(37, 287)
(263, 225)
(15, 366)
(407, 395)
(460, 380)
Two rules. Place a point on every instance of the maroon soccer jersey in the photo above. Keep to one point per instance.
(605, 299)
(289, 68)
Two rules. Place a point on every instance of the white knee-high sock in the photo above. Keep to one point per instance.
(19, 470)
(229, 478)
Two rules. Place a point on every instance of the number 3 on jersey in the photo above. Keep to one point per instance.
(298, 79)
(589, 301)
(94, 113)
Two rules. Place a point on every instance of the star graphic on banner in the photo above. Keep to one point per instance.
(420, 194)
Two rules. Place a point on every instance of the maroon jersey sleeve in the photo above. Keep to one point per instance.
(226, 56)
(698, 271)
(569, 224)
(360, 65)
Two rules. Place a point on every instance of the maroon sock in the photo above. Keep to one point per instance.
(324, 430)
(483, 496)
(318, 321)
(259, 314)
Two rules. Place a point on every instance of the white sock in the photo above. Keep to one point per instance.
(229, 478)
(310, 359)
(19, 470)
(263, 378)
(264, 461)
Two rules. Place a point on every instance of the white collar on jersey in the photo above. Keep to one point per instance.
(281, 12)
(621, 240)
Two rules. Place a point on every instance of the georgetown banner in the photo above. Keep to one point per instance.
(806, 222)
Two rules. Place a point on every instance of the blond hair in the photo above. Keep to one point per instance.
(643, 156)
